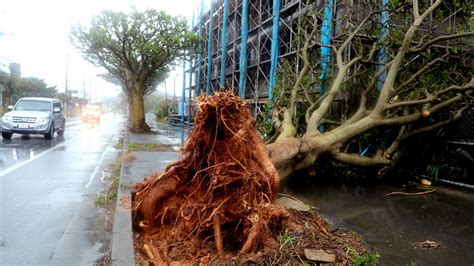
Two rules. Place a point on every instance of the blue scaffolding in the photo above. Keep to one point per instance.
(209, 52)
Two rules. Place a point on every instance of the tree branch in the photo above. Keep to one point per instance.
(435, 97)
(400, 120)
(421, 71)
(416, 12)
(404, 134)
(387, 88)
(362, 110)
(356, 159)
(423, 47)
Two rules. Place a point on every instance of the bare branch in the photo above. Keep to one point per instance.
(412, 102)
(387, 88)
(421, 71)
(371, 53)
(467, 86)
(394, 146)
(400, 120)
(356, 159)
(416, 12)
(435, 97)
(288, 128)
(362, 110)
(435, 126)
(344, 45)
(311, 108)
(423, 47)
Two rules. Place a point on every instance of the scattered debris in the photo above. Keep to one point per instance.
(428, 244)
(410, 193)
(426, 182)
(319, 255)
(292, 203)
(126, 202)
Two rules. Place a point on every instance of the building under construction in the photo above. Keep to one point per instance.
(245, 40)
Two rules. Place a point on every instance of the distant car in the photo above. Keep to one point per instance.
(34, 115)
(91, 113)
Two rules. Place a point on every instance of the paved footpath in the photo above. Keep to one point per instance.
(145, 163)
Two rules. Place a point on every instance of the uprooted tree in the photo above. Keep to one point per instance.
(219, 198)
(428, 83)
(137, 50)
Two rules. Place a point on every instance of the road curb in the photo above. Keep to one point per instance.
(122, 236)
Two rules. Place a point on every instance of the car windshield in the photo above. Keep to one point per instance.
(33, 105)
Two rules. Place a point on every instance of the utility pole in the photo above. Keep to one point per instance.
(84, 87)
(174, 87)
(66, 85)
(90, 90)
(166, 99)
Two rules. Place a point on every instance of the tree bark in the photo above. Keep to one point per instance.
(137, 114)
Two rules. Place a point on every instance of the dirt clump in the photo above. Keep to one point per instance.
(217, 204)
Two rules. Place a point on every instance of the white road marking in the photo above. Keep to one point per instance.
(97, 167)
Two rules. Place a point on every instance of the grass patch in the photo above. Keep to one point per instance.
(132, 146)
(106, 197)
(116, 167)
(119, 144)
(285, 239)
(127, 186)
(365, 258)
(109, 194)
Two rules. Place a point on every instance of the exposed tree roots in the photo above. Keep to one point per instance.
(218, 199)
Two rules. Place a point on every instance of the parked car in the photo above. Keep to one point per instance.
(34, 115)
(91, 113)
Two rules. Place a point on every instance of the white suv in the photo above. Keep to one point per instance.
(34, 115)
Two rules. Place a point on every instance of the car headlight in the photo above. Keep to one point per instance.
(7, 119)
(42, 120)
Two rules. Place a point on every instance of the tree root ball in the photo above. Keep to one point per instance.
(219, 197)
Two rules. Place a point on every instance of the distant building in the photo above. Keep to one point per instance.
(15, 70)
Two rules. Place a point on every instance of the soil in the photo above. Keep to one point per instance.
(313, 233)
(217, 204)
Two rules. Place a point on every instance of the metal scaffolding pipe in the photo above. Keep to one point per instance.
(209, 52)
(183, 93)
(190, 80)
(243, 48)
(224, 43)
(382, 54)
(326, 30)
(275, 41)
(199, 61)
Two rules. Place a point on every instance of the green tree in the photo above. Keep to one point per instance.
(34, 87)
(16, 87)
(137, 50)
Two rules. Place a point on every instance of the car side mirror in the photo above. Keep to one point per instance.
(10, 107)
(56, 110)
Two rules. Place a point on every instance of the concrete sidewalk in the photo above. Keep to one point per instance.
(145, 163)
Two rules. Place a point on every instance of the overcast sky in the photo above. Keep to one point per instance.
(37, 37)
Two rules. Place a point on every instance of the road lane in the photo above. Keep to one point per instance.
(47, 195)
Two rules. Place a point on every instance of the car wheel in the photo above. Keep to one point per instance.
(50, 134)
(61, 131)
(7, 135)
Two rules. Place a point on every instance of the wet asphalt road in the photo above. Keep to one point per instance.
(47, 194)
